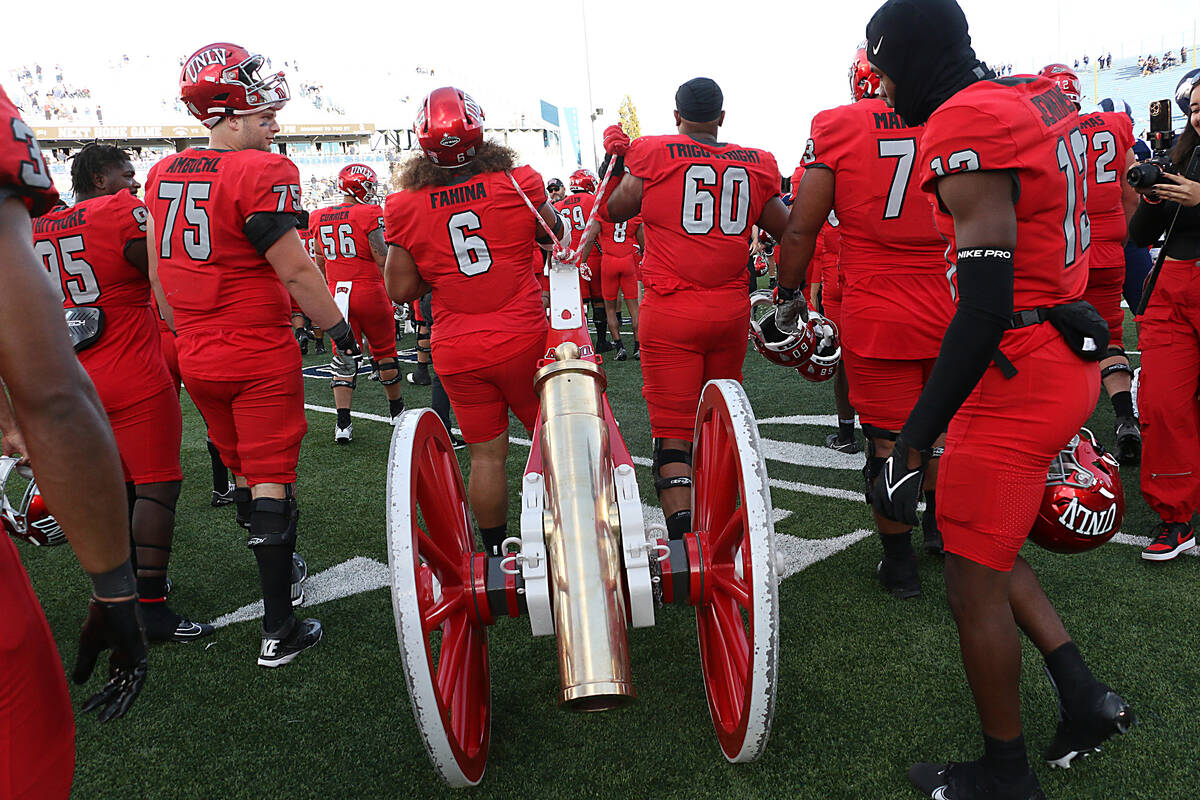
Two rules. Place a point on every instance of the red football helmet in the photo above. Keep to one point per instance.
(1083, 504)
(814, 353)
(761, 267)
(221, 80)
(582, 180)
(358, 181)
(1066, 79)
(29, 521)
(863, 82)
(449, 126)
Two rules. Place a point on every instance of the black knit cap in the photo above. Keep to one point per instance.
(699, 100)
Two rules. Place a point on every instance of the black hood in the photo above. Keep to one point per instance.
(924, 47)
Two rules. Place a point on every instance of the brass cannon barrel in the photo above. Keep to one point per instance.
(582, 535)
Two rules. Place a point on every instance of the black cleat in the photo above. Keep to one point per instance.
(164, 625)
(1082, 731)
(970, 781)
(899, 576)
(457, 442)
(281, 646)
(637, 354)
(320, 348)
(223, 498)
(834, 441)
(1129, 441)
(931, 534)
(299, 576)
(621, 354)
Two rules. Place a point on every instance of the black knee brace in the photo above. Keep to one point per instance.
(273, 522)
(671, 456)
(386, 365)
(344, 383)
(244, 504)
(1120, 366)
(874, 464)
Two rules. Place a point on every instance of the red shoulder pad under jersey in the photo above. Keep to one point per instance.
(23, 168)
(830, 138)
(1110, 137)
(471, 242)
(699, 204)
(270, 183)
(578, 208)
(1025, 125)
(340, 234)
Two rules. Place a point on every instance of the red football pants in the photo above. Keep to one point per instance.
(368, 309)
(37, 724)
(1167, 390)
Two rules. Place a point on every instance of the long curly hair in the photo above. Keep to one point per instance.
(418, 171)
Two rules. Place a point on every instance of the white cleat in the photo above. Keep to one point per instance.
(343, 435)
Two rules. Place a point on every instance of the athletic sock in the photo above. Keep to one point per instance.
(897, 546)
(679, 524)
(493, 538)
(220, 476)
(394, 408)
(1070, 673)
(1005, 759)
(152, 590)
(930, 503)
(1122, 403)
(343, 418)
(274, 566)
(846, 430)
(617, 342)
(244, 504)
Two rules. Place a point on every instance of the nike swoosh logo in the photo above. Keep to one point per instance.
(939, 793)
(875, 49)
(892, 487)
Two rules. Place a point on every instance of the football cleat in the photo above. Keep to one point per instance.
(282, 646)
(343, 435)
(223, 498)
(621, 353)
(1169, 540)
(299, 576)
(834, 441)
(1083, 503)
(1129, 441)
(970, 781)
(164, 625)
(1081, 733)
(899, 576)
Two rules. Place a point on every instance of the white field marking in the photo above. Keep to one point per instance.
(357, 575)
(810, 455)
(1143, 541)
(824, 420)
(799, 553)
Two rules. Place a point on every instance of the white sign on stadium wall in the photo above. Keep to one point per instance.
(48, 133)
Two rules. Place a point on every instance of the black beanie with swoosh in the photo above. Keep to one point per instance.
(924, 47)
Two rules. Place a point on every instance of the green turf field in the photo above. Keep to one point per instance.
(867, 684)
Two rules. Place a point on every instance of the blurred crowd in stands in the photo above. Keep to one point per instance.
(1150, 64)
(42, 95)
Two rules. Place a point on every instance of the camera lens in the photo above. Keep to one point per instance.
(1143, 175)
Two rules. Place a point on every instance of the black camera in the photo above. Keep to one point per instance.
(1150, 172)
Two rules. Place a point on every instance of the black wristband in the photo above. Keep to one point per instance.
(117, 582)
(784, 293)
(341, 334)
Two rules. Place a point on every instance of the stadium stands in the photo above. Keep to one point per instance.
(1126, 81)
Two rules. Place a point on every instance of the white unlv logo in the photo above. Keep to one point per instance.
(1087, 522)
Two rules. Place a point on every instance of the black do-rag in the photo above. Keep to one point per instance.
(924, 47)
(699, 100)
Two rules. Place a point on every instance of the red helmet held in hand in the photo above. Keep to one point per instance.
(1065, 78)
(814, 352)
(863, 82)
(222, 80)
(30, 520)
(359, 181)
(449, 127)
(1083, 504)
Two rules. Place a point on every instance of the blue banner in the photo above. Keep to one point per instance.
(550, 113)
(573, 129)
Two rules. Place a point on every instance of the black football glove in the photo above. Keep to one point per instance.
(791, 309)
(897, 488)
(116, 626)
(344, 363)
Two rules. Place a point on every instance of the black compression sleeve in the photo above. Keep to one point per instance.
(985, 307)
(1149, 222)
(264, 229)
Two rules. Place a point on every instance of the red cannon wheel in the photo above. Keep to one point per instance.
(443, 643)
(737, 615)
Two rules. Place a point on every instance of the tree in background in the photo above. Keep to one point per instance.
(629, 118)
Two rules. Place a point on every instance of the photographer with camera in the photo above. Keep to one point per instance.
(1169, 184)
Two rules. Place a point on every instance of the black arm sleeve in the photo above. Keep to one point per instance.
(264, 229)
(1149, 222)
(985, 307)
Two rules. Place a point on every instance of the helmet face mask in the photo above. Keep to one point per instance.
(29, 521)
(1083, 503)
(1065, 78)
(863, 82)
(358, 181)
(583, 180)
(814, 353)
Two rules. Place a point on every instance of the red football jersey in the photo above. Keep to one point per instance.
(885, 221)
(23, 168)
(471, 242)
(618, 238)
(1025, 125)
(699, 205)
(83, 248)
(339, 233)
(212, 276)
(309, 242)
(578, 208)
(1110, 137)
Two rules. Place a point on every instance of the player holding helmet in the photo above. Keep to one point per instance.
(1012, 388)
(348, 241)
(69, 441)
(223, 243)
(859, 164)
(699, 198)
(1110, 199)
(459, 227)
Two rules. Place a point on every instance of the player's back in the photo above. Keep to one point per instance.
(211, 273)
(886, 223)
(1109, 137)
(339, 234)
(471, 242)
(577, 207)
(23, 169)
(617, 238)
(699, 204)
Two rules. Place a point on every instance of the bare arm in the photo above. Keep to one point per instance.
(553, 220)
(160, 297)
(626, 200)
(379, 247)
(773, 220)
(588, 241)
(12, 443)
(400, 276)
(810, 210)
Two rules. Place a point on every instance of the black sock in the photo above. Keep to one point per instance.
(152, 589)
(617, 341)
(1007, 760)
(343, 417)
(679, 524)
(422, 369)
(394, 407)
(1122, 403)
(930, 503)
(219, 475)
(274, 560)
(897, 546)
(244, 504)
(440, 401)
(846, 430)
(598, 319)
(1069, 673)
(493, 538)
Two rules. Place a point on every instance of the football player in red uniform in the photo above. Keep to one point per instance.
(1004, 162)
(459, 227)
(577, 208)
(859, 164)
(95, 252)
(223, 243)
(619, 242)
(1110, 200)
(350, 251)
(71, 446)
(698, 199)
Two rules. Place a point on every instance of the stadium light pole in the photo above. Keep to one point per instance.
(587, 64)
